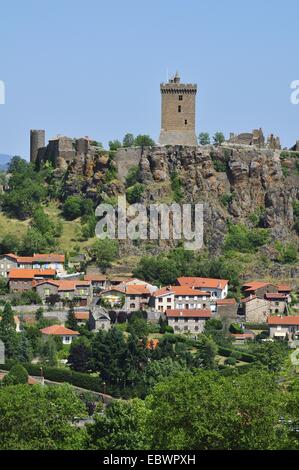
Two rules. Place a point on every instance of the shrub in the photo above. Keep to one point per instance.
(17, 375)
(231, 361)
(135, 192)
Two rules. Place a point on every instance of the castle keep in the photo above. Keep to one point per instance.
(178, 112)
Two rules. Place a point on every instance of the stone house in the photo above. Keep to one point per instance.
(227, 308)
(137, 297)
(218, 288)
(258, 288)
(99, 281)
(254, 309)
(68, 290)
(11, 261)
(21, 280)
(277, 303)
(99, 319)
(281, 326)
(188, 321)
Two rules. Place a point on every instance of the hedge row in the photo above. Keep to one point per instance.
(257, 326)
(55, 374)
(245, 357)
(227, 371)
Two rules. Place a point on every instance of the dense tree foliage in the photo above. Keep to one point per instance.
(40, 418)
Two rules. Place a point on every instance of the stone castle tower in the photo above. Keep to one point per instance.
(178, 112)
(37, 141)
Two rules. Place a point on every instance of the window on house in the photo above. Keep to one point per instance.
(186, 122)
(179, 108)
(180, 97)
(132, 305)
(168, 300)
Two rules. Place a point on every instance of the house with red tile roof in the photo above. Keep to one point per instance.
(218, 288)
(188, 320)
(260, 288)
(21, 280)
(180, 297)
(283, 326)
(66, 290)
(11, 261)
(60, 331)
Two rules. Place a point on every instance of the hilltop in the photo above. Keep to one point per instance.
(250, 199)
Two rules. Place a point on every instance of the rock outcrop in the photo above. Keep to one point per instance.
(233, 183)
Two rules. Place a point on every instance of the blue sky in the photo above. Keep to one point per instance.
(94, 67)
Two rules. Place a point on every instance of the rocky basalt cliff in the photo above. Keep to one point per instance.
(232, 182)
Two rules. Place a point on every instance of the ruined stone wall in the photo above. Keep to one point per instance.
(125, 159)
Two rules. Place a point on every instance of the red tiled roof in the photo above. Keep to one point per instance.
(95, 277)
(59, 330)
(203, 282)
(49, 258)
(275, 296)
(65, 285)
(163, 291)
(180, 290)
(30, 273)
(82, 316)
(243, 335)
(111, 289)
(248, 299)
(288, 320)
(46, 258)
(284, 288)
(189, 313)
(226, 302)
(137, 289)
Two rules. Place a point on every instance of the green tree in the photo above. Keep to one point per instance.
(10, 244)
(218, 138)
(121, 427)
(104, 251)
(48, 351)
(24, 350)
(114, 144)
(17, 375)
(128, 140)
(80, 357)
(135, 192)
(3, 285)
(71, 321)
(72, 208)
(204, 138)
(144, 141)
(138, 327)
(206, 352)
(52, 428)
(132, 176)
(8, 332)
(211, 410)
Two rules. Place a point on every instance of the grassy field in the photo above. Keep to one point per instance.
(71, 234)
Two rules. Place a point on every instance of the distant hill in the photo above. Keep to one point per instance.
(4, 160)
